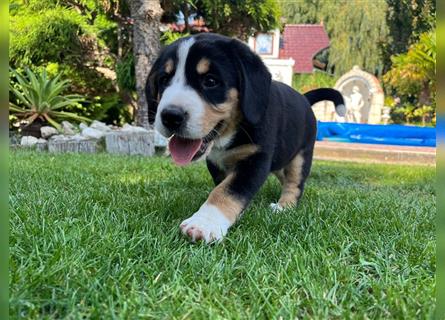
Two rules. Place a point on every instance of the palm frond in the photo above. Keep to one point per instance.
(15, 108)
(69, 115)
(22, 98)
(64, 103)
(52, 122)
(43, 95)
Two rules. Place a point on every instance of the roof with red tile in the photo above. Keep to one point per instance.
(302, 42)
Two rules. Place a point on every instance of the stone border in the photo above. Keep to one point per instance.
(373, 153)
(98, 137)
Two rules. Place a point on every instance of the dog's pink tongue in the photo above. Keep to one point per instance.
(183, 150)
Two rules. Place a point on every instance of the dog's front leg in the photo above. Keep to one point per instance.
(226, 202)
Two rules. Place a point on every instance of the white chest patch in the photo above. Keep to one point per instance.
(223, 142)
(216, 156)
(218, 152)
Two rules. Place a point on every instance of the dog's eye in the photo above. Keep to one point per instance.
(210, 81)
(163, 80)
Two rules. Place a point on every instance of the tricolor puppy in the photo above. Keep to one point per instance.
(214, 98)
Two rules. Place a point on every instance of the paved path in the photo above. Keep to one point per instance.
(360, 152)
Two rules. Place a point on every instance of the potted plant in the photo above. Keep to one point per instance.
(39, 100)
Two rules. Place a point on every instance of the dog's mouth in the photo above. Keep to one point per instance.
(184, 150)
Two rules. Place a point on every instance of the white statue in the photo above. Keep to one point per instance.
(354, 104)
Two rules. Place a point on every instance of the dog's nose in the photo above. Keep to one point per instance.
(173, 117)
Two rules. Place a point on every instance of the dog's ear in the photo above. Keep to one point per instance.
(152, 91)
(254, 82)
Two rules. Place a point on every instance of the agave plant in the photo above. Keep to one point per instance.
(41, 97)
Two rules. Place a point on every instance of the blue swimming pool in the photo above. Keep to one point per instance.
(392, 134)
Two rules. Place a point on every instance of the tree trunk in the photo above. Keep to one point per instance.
(185, 11)
(146, 15)
(425, 95)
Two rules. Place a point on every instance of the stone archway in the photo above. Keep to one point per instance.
(363, 96)
(356, 83)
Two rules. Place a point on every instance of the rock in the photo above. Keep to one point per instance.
(68, 128)
(29, 141)
(61, 137)
(57, 137)
(78, 137)
(92, 133)
(48, 131)
(14, 138)
(75, 145)
(129, 128)
(38, 144)
(159, 139)
(131, 143)
(100, 126)
(83, 125)
(42, 145)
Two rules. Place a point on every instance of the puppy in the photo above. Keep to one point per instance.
(214, 98)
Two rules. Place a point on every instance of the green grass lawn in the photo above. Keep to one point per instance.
(97, 236)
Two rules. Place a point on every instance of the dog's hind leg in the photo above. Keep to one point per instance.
(292, 179)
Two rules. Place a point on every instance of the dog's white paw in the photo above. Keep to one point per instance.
(208, 224)
(276, 207)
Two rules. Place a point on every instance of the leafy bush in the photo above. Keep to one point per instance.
(125, 73)
(41, 97)
(424, 113)
(170, 36)
(240, 18)
(413, 74)
(307, 82)
(47, 35)
(413, 78)
(50, 35)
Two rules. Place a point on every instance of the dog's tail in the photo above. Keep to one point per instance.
(333, 95)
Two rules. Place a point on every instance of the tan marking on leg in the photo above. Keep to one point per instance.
(169, 65)
(293, 174)
(203, 66)
(228, 204)
(224, 111)
(233, 156)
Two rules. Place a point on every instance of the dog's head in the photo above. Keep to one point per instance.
(200, 88)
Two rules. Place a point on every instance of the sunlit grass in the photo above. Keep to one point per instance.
(96, 236)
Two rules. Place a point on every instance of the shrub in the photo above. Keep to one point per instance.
(307, 82)
(50, 35)
(41, 97)
(125, 73)
(414, 71)
(170, 36)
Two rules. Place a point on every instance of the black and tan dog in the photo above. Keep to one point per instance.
(215, 98)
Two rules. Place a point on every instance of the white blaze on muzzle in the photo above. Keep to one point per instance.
(181, 95)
